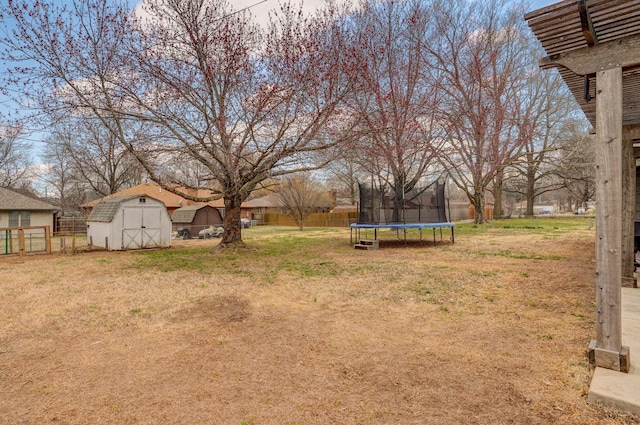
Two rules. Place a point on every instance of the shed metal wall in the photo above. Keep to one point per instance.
(121, 231)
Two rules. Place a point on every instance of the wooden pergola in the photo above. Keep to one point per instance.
(595, 44)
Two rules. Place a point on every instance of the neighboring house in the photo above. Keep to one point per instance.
(345, 209)
(270, 204)
(170, 200)
(265, 204)
(17, 210)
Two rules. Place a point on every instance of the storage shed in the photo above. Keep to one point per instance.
(129, 222)
(189, 221)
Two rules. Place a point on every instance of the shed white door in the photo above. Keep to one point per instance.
(141, 227)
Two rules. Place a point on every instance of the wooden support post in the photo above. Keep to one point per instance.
(607, 351)
(628, 206)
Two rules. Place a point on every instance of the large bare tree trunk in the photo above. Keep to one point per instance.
(497, 195)
(530, 194)
(478, 204)
(232, 225)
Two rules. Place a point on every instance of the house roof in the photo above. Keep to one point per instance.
(187, 214)
(169, 199)
(268, 201)
(105, 210)
(14, 201)
(272, 201)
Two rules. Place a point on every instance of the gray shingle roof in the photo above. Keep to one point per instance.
(185, 214)
(104, 211)
(14, 201)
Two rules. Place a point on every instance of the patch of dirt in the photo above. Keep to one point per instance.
(221, 308)
(491, 330)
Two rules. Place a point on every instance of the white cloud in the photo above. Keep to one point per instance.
(260, 12)
(258, 9)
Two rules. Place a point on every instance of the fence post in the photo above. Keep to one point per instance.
(47, 238)
(21, 241)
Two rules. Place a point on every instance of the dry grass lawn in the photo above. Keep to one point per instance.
(307, 330)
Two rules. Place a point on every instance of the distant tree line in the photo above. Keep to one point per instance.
(192, 94)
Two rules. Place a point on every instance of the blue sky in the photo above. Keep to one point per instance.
(260, 9)
(537, 4)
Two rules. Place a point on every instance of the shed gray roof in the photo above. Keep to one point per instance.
(186, 214)
(14, 201)
(104, 211)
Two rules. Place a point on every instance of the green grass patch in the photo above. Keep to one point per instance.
(301, 254)
(311, 253)
(538, 225)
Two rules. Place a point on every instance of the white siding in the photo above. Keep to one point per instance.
(135, 225)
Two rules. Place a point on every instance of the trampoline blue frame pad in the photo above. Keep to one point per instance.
(402, 226)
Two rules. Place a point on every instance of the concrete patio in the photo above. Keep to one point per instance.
(617, 390)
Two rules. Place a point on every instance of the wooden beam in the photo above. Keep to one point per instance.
(632, 132)
(628, 207)
(587, 24)
(620, 53)
(608, 345)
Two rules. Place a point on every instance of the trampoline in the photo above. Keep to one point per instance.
(419, 208)
(357, 228)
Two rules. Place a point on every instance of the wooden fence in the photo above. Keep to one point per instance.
(70, 226)
(25, 240)
(314, 220)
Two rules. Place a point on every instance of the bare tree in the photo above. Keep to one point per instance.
(202, 81)
(344, 173)
(480, 53)
(15, 157)
(299, 197)
(576, 166)
(544, 116)
(396, 96)
(62, 183)
(95, 156)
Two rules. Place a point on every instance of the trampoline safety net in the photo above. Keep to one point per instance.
(420, 205)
